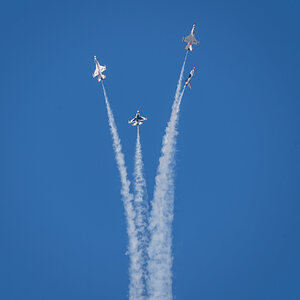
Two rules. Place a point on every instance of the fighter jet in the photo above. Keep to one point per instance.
(188, 81)
(99, 70)
(137, 120)
(190, 40)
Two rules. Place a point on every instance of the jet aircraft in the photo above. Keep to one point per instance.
(188, 81)
(190, 39)
(137, 120)
(99, 70)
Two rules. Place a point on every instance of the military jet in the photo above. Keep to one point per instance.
(137, 120)
(188, 81)
(99, 70)
(190, 40)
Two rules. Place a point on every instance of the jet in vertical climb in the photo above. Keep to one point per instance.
(190, 40)
(188, 81)
(137, 120)
(99, 70)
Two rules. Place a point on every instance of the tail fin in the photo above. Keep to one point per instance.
(101, 77)
(188, 47)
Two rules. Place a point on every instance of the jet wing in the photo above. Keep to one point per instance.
(102, 68)
(195, 42)
(131, 121)
(191, 39)
(96, 73)
(188, 39)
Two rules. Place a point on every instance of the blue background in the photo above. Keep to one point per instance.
(62, 225)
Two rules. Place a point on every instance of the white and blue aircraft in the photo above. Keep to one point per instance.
(188, 81)
(190, 40)
(99, 70)
(137, 120)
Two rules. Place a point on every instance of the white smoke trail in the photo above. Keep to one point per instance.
(180, 98)
(136, 286)
(179, 84)
(159, 283)
(141, 208)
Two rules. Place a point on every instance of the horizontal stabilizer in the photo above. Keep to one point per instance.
(188, 47)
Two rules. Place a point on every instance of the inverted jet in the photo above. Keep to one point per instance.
(137, 120)
(190, 40)
(188, 81)
(99, 70)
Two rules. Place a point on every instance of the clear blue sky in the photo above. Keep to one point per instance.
(236, 227)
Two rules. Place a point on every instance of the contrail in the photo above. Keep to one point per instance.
(180, 98)
(159, 283)
(179, 84)
(136, 285)
(141, 209)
